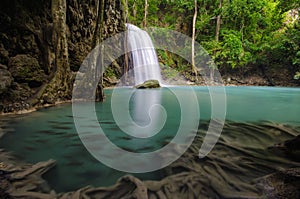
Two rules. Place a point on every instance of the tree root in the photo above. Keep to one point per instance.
(231, 170)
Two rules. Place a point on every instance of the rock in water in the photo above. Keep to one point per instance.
(149, 84)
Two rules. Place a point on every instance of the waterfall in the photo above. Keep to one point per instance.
(143, 57)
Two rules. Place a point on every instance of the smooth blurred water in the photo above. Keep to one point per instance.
(50, 132)
(143, 55)
(263, 103)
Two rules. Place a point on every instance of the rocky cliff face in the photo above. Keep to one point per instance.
(43, 43)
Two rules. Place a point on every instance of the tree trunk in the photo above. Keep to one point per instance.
(193, 39)
(218, 27)
(134, 9)
(98, 37)
(59, 87)
(145, 14)
(60, 36)
(126, 59)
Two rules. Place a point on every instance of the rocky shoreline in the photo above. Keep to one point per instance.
(33, 109)
(15, 108)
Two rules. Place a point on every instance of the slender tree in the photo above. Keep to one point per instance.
(145, 14)
(218, 26)
(134, 9)
(126, 61)
(193, 37)
(98, 37)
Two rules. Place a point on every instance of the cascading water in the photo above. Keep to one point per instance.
(143, 58)
(143, 64)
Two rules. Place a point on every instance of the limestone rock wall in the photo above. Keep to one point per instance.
(43, 43)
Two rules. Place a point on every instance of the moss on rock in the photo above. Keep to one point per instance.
(26, 69)
(149, 84)
(5, 80)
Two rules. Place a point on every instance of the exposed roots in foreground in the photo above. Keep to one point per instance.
(249, 161)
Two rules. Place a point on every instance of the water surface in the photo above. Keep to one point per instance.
(51, 133)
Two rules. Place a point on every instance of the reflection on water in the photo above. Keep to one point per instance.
(50, 133)
(147, 113)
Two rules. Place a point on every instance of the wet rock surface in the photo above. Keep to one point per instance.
(148, 84)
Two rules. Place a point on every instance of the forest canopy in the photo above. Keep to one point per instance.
(236, 33)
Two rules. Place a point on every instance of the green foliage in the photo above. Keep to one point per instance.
(109, 72)
(165, 58)
(287, 5)
(214, 49)
(297, 75)
(232, 48)
(296, 60)
(168, 72)
(294, 34)
(285, 48)
(252, 31)
(230, 52)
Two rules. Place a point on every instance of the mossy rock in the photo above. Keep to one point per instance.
(26, 69)
(5, 80)
(149, 84)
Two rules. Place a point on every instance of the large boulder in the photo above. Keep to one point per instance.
(26, 69)
(148, 84)
(4, 55)
(5, 80)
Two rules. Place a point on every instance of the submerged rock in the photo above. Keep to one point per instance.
(149, 84)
